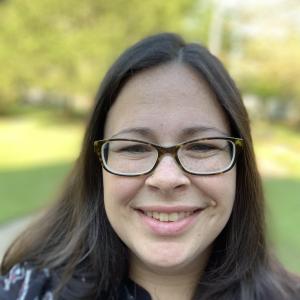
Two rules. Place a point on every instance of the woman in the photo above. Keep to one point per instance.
(176, 208)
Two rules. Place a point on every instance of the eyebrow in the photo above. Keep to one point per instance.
(143, 131)
(186, 132)
(189, 131)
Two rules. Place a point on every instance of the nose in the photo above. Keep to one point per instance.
(167, 177)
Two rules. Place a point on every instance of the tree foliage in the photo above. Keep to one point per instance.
(67, 46)
(271, 71)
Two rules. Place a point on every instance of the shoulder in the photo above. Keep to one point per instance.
(24, 281)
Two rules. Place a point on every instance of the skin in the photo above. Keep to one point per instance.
(166, 100)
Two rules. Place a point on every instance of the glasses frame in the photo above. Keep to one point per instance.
(173, 150)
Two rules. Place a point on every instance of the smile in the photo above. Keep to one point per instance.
(169, 217)
(170, 223)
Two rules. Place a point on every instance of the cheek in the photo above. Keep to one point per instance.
(119, 190)
(220, 189)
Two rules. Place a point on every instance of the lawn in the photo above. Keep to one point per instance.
(29, 188)
(37, 151)
(38, 138)
(283, 212)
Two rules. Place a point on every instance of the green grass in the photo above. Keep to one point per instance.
(37, 149)
(283, 219)
(29, 189)
(38, 139)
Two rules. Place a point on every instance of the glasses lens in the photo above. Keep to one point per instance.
(207, 156)
(128, 157)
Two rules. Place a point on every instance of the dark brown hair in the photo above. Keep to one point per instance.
(74, 238)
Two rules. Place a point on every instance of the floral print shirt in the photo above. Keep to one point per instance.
(24, 282)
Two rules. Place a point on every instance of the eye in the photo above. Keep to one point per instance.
(135, 149)
(201, 147)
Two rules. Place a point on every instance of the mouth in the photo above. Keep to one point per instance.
(170, 216)
(171, 223)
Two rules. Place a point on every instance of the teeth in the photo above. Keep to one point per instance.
(164, 217)
(149, 213)
(173, 217)
(156, 215)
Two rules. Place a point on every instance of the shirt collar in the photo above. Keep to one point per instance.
(132, 291)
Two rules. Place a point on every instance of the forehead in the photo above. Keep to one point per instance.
(166, 100)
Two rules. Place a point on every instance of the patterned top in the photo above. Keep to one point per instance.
(24, 282)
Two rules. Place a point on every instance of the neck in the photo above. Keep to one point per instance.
(164, 285)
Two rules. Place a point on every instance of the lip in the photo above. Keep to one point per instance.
(168, 209)
(168, 228)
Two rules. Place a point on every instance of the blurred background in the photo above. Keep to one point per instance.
(54, 53)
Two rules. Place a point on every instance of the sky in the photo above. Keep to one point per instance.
(279, 17)
(254, 3)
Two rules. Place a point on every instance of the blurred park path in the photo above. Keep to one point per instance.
(9, 231)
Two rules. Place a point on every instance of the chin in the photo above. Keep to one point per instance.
(167, 262)
(174, 258)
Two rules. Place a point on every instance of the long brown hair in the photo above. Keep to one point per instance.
(74, 237)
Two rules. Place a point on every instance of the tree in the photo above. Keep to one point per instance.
(58, 46)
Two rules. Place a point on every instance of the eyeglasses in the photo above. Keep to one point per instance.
(205, 156)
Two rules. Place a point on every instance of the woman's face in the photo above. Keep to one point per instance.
(174, 105)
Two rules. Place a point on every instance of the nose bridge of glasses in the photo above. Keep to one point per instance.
(172, 150)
